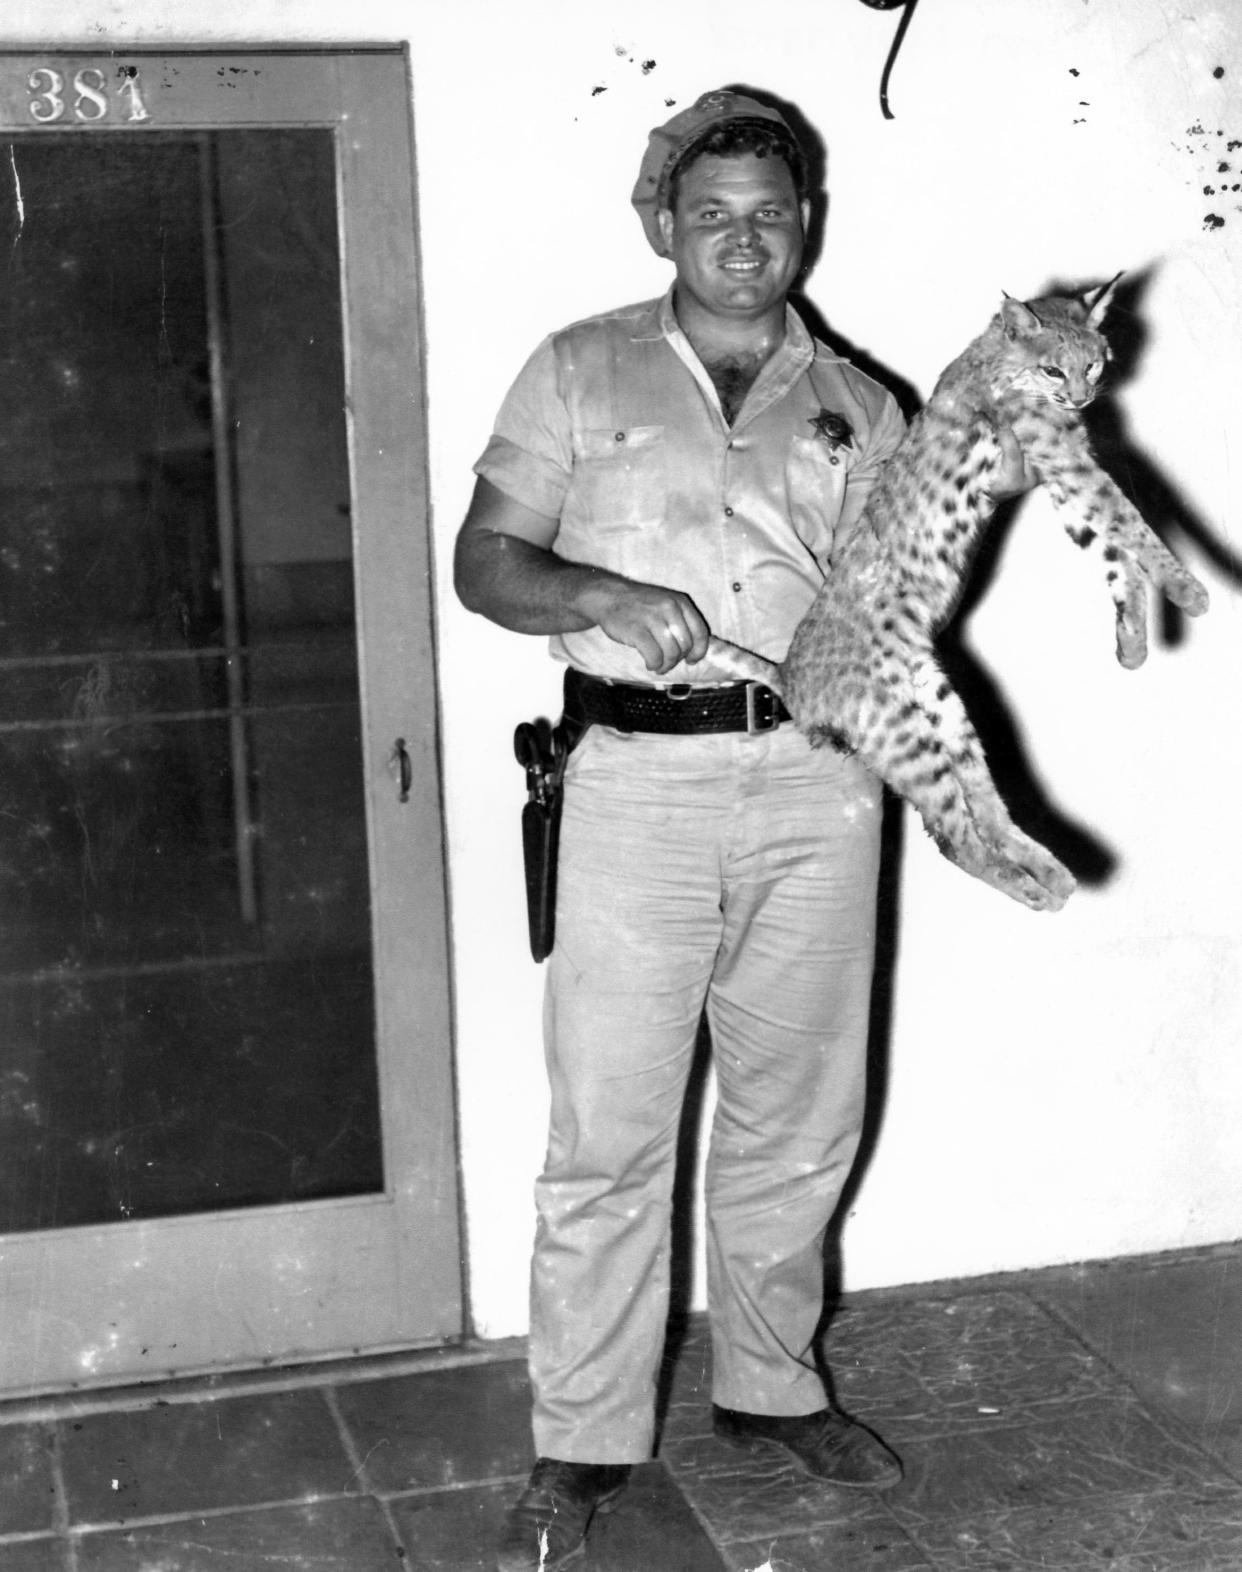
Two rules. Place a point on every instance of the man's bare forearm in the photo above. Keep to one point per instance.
(528, 588)
(522, 585)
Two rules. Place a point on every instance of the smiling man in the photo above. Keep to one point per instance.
(686, 465)
(734, 227)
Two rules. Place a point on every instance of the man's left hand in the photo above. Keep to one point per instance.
(1012, 478)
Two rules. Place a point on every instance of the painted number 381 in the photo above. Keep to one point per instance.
(85, 97)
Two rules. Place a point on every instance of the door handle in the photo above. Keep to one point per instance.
(405, 769)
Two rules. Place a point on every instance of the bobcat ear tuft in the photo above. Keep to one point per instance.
(1019, 320)
(1098, 303)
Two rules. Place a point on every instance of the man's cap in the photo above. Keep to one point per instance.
(667, 143)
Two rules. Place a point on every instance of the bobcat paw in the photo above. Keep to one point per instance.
(1181, 587)
(1047, 893)
(1022, 869)
(1040, 880)
(1186, 591)
(1132, 626)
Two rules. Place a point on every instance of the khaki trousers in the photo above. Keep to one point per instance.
(741, 871)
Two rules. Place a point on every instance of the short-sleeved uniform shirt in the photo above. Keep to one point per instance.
(614, 428)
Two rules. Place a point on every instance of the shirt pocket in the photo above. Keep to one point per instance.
(815, 479)
(620, 478)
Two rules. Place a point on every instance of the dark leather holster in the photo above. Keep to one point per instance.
(543, 749)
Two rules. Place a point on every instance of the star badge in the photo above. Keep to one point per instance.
(833, 429)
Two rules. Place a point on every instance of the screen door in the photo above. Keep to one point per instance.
(226, 1131)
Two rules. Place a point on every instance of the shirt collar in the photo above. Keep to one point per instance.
(798, 342)
(795, 354)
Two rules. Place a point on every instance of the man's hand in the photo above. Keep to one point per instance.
(663, 625)
(505, 569)
(1012, 478)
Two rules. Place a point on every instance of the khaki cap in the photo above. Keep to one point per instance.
(667, 142)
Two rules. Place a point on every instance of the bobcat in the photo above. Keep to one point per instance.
(861, 672)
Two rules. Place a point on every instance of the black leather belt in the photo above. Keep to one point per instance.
(680, 710)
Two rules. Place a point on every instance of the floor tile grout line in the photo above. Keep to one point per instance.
(457, 1486)
(933, 1561)
(1165, 1421)
(932, 1558)
(691, 1505)
(380, 1493)
(191, 1514)
(349, 1445)
(360, 1460)
(279, 1503)
(61, 1515)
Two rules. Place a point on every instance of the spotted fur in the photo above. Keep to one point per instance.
(861, 673)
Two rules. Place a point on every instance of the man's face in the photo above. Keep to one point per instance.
(736, 234)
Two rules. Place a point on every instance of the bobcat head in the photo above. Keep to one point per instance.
(1053, 349)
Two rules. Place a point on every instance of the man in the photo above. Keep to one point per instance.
(656, 473)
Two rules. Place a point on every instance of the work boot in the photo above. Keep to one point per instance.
(546, 1526)
(827, 1444)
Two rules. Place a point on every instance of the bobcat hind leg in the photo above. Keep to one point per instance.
(935, 761)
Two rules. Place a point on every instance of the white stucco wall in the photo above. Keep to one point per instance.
(1061, 1086)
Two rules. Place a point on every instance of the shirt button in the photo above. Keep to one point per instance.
(736, 586)
(728, 513)
(620, 435)
(834, 459)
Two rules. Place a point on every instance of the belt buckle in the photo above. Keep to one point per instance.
(761, 712)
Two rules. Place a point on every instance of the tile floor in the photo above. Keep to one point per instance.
(1078, 1418)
